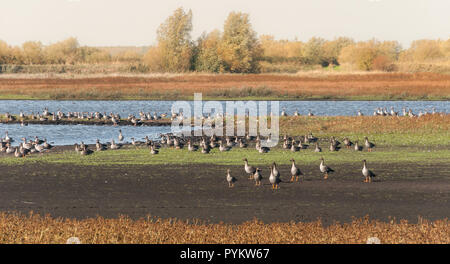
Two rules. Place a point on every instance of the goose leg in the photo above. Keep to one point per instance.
(326, 176)
(292, 178)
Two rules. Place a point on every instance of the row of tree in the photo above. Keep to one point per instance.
(236, 49)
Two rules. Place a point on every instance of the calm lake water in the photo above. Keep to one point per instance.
(70, 134)
(323, 108)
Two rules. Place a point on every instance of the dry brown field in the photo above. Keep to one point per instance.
(283, 86)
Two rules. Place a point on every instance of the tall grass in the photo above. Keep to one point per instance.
(33, 228)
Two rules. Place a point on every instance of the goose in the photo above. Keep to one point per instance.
(306, 139)
(85, 151)
(114, 145)
(9, 149)
(192, 147)
(205, 149)
(249, 169)
(46, 144)
(2, 147)
(294, 148)
(286, 144)
(37, 140)
(223, 147)
(368, 145)
(347, 142)
(242, 144)
(360, 113)
(317, 149)
(39, 148)
(310, 113)
(333, 147)
(283, 113)
(325, 169)
(357, 146)
(230, 179)
(120, 135)
(257, 177)
(273, 179)
(312, 138)
(263, 149)
(77, 148)
(7, 139)
(230, 143)
(99, 146)
(153, 151)
(177, 144)
(295, 171)
(301, 145)
(17, 154)
(368, 174)
(296, 113)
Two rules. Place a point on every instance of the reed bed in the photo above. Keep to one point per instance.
(281, 86)
(33, 228)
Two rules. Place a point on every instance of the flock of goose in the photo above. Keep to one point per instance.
(25, 147)
(275, 176)
(227, 143)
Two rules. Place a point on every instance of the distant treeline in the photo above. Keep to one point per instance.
(236, 49)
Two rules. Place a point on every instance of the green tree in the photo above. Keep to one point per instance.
(239, 49)
(174, 42)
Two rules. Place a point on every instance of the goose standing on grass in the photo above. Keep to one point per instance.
(249, 169)
(325, 169)
(230, 179)
(9, 149)
(222, 147)
(317, 149)
(368, 145)
(347, 142)
(17, 154)
(192, 147)
(368, 174)
(257, 177)
(295, 171)
(357, 146)
(205, 149)
(46, 144)
(153, 151)
(99, 146)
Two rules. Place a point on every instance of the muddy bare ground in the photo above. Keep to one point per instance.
(201, 192)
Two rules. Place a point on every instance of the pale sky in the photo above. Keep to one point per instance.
(134, 22)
